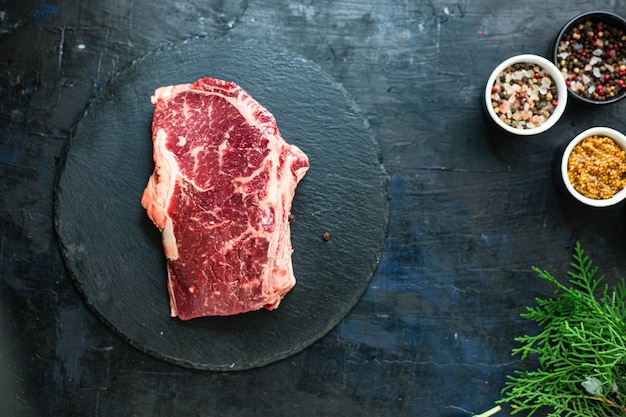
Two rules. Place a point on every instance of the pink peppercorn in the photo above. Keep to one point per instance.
(600, 90)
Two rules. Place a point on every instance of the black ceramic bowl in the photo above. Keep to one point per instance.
(590, 52)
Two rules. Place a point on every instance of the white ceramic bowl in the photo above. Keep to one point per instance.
(557, 78)
(620, 139)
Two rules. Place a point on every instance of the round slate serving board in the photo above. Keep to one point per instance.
(114, 252)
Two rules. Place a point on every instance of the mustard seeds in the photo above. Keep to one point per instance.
(597, 167)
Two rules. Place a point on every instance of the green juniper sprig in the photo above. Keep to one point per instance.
(581, 348)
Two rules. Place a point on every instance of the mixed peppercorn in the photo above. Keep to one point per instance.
(591, 56)
(597, 167)
(524, 96)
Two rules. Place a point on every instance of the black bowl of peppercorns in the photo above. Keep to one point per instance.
(590, 52)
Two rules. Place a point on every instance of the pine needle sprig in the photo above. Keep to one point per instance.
(581, 348)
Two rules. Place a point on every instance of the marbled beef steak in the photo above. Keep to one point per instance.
(221, 194)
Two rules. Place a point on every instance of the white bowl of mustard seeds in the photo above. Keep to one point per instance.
(593, 167)
(525, 95)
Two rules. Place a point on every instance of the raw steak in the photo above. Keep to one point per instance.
(221, 195)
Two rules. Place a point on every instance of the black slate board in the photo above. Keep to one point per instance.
(114, 252)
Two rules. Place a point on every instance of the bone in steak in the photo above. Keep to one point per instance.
(221, 194)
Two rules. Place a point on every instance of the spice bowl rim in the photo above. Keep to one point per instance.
(551, 70)
(619, 138)
(602, 14)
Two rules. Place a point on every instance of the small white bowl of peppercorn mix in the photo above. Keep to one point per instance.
(525, 95)
(593, 167)
(590, 52)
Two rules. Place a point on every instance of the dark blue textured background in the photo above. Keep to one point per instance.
(470, 212)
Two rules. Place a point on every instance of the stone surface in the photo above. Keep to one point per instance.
(470, 211)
